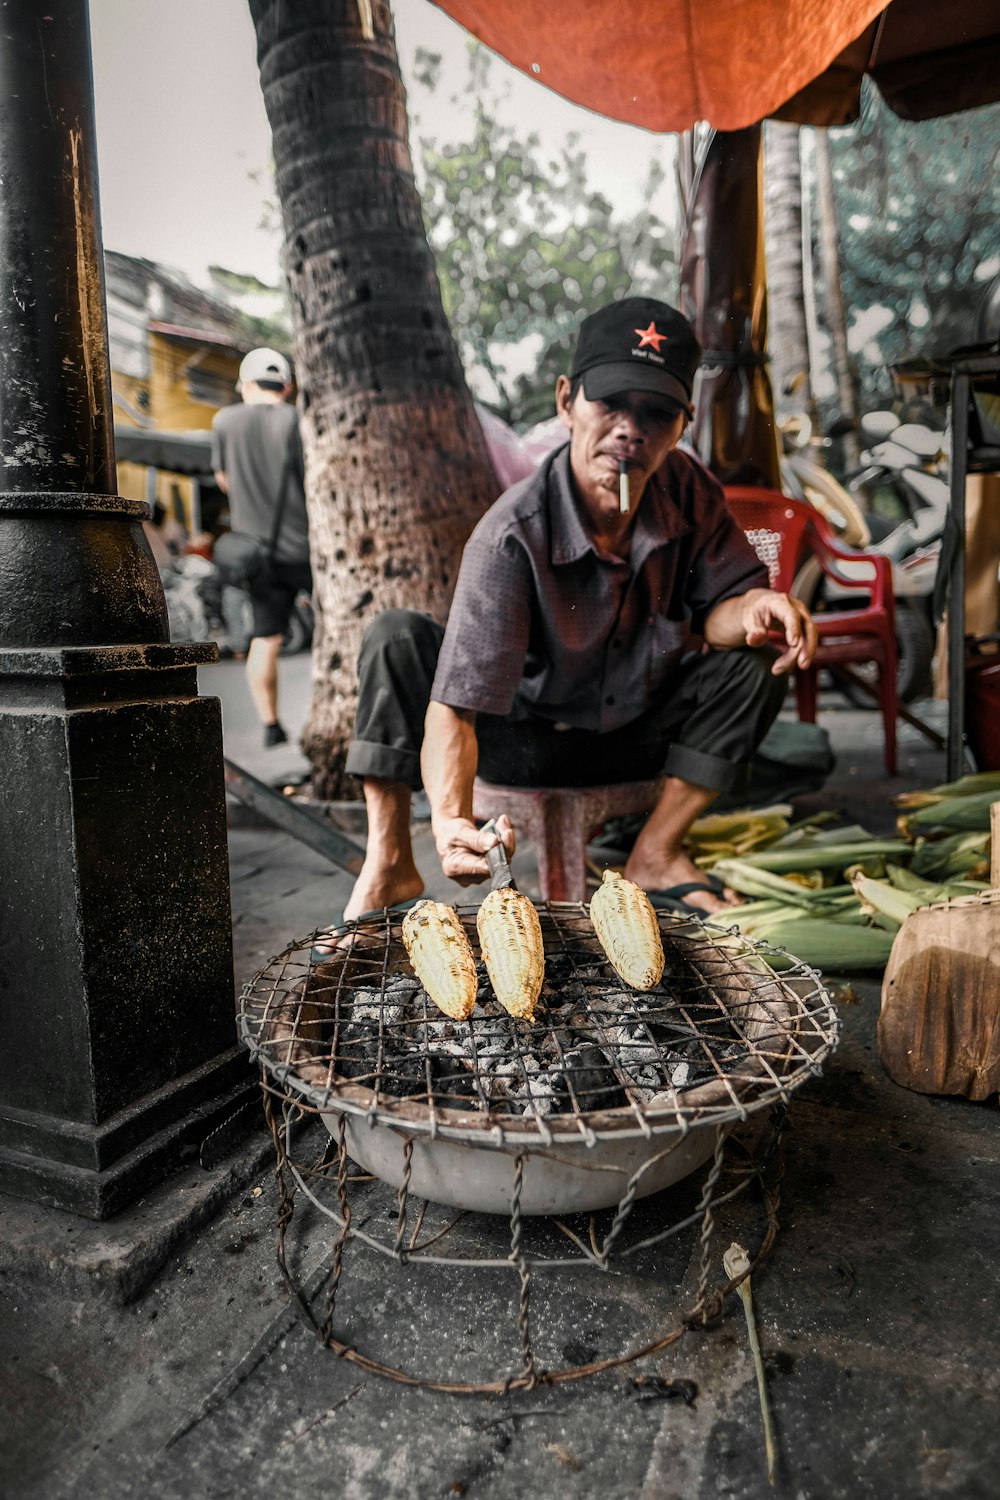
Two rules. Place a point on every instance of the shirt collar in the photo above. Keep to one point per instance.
(659, 521)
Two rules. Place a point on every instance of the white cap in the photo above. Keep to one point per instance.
(266, 365)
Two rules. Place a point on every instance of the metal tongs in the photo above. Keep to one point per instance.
(496, 858)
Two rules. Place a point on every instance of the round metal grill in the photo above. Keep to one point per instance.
(606, 1097)
(719, 1036)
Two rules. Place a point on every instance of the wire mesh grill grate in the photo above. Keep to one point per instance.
(719, 1036)
(574, 1118)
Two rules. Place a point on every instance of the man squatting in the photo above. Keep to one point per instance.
(585, 644)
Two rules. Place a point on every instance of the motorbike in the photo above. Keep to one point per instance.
(202, 606)
(895, 504)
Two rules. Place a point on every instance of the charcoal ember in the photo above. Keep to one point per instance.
(357, 1066)
(439, 1031)
(357, 1043)
(371, 1007)
(445, 1047)
(559, 967)
(591, 1079)
(484, 990)
(558, 1039)
(564, 969)
(406, 1078)
(409, 1077)
(633, 1044)
(546, 1093)
(558, 997)
(492, 1037)
(402, 987)
(502, 1083)
(643, 1084)
(689, 1049)
(454, 1087)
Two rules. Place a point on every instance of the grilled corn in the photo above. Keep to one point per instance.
(442, 957)
(628, 931)
(510, 936)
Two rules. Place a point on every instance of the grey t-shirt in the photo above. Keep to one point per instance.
(249, 443)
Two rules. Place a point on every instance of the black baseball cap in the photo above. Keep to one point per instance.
(637, 344)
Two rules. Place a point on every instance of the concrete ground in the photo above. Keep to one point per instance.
(160, 1354)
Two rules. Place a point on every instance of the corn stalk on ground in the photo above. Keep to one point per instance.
(836, 897)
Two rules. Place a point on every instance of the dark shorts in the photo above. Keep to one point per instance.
(273, 594)
(704, 729)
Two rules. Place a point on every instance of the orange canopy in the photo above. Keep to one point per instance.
(665, 64)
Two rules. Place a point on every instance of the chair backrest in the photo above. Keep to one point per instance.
(778, 528)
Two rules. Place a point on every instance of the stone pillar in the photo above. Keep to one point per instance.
(116, 988)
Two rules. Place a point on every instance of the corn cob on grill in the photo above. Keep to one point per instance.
(628, 931)
(442, 957)
(510, 936)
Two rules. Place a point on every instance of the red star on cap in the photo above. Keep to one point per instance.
(649, 336)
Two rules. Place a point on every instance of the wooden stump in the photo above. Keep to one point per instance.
(939, 1027)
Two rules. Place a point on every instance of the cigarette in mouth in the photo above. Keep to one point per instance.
(624, 498)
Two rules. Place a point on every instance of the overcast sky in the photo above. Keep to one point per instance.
(181, 127)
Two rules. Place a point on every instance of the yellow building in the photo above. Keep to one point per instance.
(175, 355)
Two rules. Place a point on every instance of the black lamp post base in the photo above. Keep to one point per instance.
(116, 964)
(97, 1171)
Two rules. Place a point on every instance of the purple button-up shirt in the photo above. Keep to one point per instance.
(543, 625)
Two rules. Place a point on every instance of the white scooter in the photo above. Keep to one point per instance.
(896, 504)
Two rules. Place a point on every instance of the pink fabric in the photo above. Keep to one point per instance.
(510, 460)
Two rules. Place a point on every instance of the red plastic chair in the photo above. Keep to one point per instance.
(783, 532)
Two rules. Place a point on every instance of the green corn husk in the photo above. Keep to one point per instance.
(874, 868)
(768, 919)
(809, 833)
(885, 900)
(749, 880)
(951, 857)
(932, 890)
(822, 855)
(724, 835)
(966, 786)
(969, 814)
(830, 945)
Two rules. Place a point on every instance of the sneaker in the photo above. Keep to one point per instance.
(274, 735)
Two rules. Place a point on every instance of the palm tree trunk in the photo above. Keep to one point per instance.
(723, 295)
(397, 472)
(787, 333)
(829, 250)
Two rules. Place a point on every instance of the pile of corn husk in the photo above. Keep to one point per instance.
(835, 897)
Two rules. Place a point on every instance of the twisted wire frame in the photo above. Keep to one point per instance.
(300, 1084)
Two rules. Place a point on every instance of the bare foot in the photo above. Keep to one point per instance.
(374, 889)
(659, 873)
(380, 887)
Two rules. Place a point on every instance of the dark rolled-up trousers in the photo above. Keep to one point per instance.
(704, 728)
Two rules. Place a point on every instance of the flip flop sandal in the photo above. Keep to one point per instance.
(320, 955)
(673, 896)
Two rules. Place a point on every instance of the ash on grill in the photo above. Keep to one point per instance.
(595, 1046)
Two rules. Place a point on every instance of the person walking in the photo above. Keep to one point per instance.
(258, 464)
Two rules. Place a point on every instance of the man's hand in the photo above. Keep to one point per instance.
(746, 619)
(764, 609)
(462, 847)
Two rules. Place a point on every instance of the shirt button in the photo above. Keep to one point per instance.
(609, 701)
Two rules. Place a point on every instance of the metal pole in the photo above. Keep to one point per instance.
(960, 392)
(116, 982)
(55, 413)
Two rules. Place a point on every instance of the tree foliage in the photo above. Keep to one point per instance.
(525, 247)
(918, 205)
